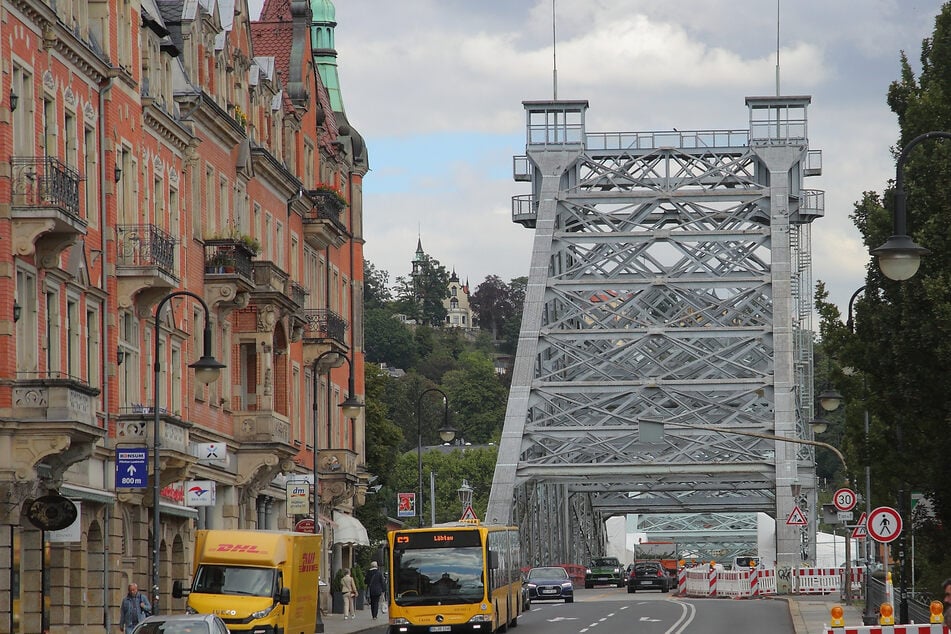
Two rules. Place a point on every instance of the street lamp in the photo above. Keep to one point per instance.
(446, 434)
(207, 369)
(465, 495)
(351, 409)
(900, 257)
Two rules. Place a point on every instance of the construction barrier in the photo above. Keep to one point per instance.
(935, 628)
(826, 580)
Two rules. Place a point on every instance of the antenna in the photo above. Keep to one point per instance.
(554, 55)
(777, 47)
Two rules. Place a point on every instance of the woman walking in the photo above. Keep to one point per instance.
(349, 590)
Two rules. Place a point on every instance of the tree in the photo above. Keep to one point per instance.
(901, 346)
(376, 287)
(477, 397)
(498, 305)
(421, 294)
(387, 340)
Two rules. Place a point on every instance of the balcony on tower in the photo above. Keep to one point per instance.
(44, 208)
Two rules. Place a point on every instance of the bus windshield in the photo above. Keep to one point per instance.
(438, 576)
(212, 579)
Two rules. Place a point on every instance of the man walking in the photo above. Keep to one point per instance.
(375, 587)
(135, 607)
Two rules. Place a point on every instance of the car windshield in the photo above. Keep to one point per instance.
(547, 573)
(642, 569)
(259, 582)
(605, 561)
(173, 627)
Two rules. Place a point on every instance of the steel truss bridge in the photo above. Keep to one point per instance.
(666, 338)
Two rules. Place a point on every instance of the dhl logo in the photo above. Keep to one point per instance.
(308, 562)
(239, 548)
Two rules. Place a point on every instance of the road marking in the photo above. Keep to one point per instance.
(562, 618)
(688, 612)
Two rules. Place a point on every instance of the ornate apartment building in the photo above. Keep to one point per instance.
(176, 180)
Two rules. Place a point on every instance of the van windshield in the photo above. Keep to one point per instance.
(242, 580)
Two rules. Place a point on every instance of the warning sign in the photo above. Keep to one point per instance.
(796, 518)
(468, 515)
(860, 532)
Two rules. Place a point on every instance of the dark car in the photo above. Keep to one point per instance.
(646, 575)
(604, 571)
(549, 583)
(182, 624)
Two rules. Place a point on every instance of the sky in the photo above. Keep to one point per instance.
(436, 89)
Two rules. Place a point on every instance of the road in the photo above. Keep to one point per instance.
(613, 611)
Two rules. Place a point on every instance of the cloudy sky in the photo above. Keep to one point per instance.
(436, 88)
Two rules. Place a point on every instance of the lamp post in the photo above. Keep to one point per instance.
(868, 617)
(899, 259)
(351, 409)
(207, 369)
(446, 434)
(465, 495)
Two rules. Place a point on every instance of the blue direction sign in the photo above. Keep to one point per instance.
(132, 471)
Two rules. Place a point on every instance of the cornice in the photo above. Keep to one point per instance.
(165, 126)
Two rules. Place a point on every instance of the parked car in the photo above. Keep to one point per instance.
(549, 583)
(604, 571)
(182, 624)
(649, 574)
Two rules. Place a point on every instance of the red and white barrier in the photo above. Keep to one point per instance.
(935, 628)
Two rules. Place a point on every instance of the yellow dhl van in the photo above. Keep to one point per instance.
(262, 582)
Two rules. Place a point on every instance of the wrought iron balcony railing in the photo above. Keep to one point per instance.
(45, 181)
(228, 257)
(325, 324)
(145, 246)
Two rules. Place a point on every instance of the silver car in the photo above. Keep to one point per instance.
(182, 624)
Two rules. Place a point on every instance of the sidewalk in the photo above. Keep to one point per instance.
(810, 613)
(336, 624)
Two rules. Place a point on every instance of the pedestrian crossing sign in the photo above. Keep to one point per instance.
(796, 518)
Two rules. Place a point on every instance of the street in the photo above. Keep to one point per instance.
(610, 610)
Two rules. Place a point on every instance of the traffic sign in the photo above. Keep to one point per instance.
(844, 499)
(468, 515)
(132, 471)
(884, 524)
(796, 518)
(860, 531)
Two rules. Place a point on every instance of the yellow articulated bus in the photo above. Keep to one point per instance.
(460, 577)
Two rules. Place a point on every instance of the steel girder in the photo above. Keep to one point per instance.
(662, 324)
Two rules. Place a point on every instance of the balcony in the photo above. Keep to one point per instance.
(134, 427)
(265, 446)
(229, 272)
(322, 225)
(145, 265)
(45, 208)
(55, 416)
(338, 476)
(324, 331)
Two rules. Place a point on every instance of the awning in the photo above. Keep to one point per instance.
(349, 530)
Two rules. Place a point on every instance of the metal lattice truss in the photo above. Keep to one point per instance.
(704, 537)
(653, 339)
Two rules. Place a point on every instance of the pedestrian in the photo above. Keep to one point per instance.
(946, 591)
(135, 607)
(375, 587)
(349, 590)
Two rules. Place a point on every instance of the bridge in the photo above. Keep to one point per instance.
(664, 364)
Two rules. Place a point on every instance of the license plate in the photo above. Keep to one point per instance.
(440, 628)
(646, 583)
(549, 591)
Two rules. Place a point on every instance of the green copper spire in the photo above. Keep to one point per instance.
(322, 44)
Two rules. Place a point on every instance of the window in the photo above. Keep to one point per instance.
(74, 352)
(129, 374)
(49, 127)
(91, 182)
(71, 133)
(24, 131)
(93, 344)
(26, 327)
(53, 342)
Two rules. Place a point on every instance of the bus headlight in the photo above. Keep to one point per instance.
(399, 621)
(481, 618)
(190, 610)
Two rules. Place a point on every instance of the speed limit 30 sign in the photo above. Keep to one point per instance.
(844, 500)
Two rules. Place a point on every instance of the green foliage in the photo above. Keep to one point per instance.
(357, 572)
(420, 295)
(900, 349)
(498, 306)
(478, 398)
(387, 340)
(335, 582)
(376, 287)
